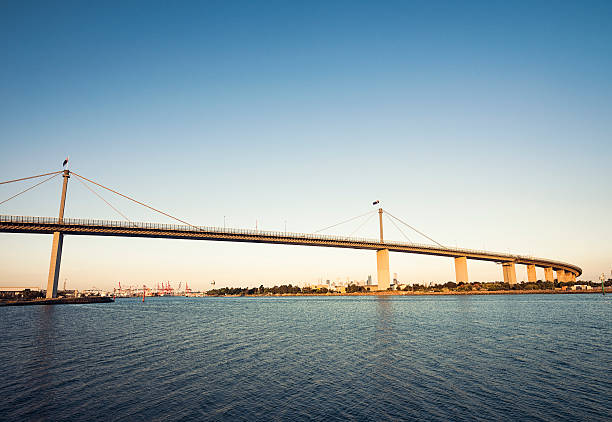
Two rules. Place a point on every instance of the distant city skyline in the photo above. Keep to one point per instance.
(484, 125)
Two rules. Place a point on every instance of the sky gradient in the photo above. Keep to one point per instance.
(486, 125)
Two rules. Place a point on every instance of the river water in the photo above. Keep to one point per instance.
(365, 358)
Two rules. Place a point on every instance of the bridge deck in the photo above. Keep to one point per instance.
(48, 225)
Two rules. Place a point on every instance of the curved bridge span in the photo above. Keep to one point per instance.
(61, 226)
(47, 225)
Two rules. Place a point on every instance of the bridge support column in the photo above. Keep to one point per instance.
(561, 276)
(382, 266)
(548, 274)
(461, 269)
(54, 266)
(56, 249)
(509, 273)
(531, 273)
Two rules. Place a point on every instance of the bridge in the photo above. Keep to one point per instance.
(61, 226)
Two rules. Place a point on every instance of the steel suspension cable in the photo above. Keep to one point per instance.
(31, 177)
(133, 200)
(31, 187)
(345, 221)
(398, 227)
(421, 233)
(107, 203)
(362, 224)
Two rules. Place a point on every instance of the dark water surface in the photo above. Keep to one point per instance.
(525, 357)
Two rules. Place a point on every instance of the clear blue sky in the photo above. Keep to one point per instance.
(484, 124)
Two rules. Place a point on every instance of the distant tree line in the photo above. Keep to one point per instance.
(26, 294)
(353, 288)
(442, 287)
(476, 286)
(497, 286)
(279, 290)
(261, 290)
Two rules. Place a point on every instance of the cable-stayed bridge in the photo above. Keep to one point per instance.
(89, 227)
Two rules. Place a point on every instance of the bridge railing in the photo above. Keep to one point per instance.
(174, 227)
(256, 233)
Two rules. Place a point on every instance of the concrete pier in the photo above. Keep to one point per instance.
(54, 266)
(461, 274)
(509, 270)
(560, 276)
(382, 267)
(531, 273)
(382, 259)
(56, 249)
(548, 274)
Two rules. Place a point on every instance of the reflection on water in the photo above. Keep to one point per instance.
(384, 319)
(45, 326)
(330, 358)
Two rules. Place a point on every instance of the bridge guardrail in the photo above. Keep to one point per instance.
(248, 232)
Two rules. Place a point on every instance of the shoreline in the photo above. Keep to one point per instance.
(402, 293)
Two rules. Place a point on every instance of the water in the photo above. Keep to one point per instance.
(524, 357)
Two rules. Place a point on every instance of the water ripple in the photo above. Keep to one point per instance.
(535, 357)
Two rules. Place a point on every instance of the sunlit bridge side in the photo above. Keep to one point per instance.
(61, 226)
